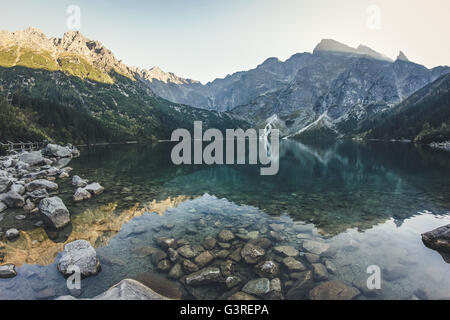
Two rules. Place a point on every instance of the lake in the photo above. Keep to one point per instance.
(364, 204)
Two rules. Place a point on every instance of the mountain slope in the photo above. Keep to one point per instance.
(83, 75)
(349, 84)
(423, 117)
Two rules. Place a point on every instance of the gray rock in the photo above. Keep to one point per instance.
(226, 236)
(3, 206)
(186, 252)
(53, 150)
(287, 251)
(204, 276)
(7, 271)
(12, 234)
(12, 199)
(81, 254)
(189, 266)
(176, 272)
(37, 195)
(227, 267)
(32, 159)
(54, 212)
(78, 182)
(5, 183)
(209, 243)
(41, 184)
(316, 247)
(157, 256)
(204, 259)
(258, 287)
(267, 269)
(312, 258)
(81, 194)
(129, 289)
(167, 243)
(164, 265)
(20, 189)
(293, 264)
(232, 281)
(95, 188)
(320, 272)
(438, 239)
(301, 287)
(330, 267)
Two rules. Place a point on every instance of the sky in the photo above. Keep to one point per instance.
(208, 39)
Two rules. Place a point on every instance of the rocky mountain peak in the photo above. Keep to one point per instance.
(330, 45)
(156, 73)
(402, 57)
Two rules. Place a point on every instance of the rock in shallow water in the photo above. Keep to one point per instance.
(54, 212)
(12, 199)
(333, 290)
(12, 234)
(204, 276)
(41, 184)
(438, 239)
(7, 271)
(81, 254)
(78, 182)
(258, 287)
(129, 289)
(252, 253)
(95, 188)
(81, 194)
(316, 247)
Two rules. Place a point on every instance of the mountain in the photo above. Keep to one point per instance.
(84, 76)
(423, 117)
(346, 84)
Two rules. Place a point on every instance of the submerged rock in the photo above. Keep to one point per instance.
(252, 253)
(438, 239)
(241, 296)
(302, 286)
(129, 289)
(95, 188)
(204, 259)
(81, 254)
(316, 247)
(226, 236)
(287, 251)
(267, 269)
(258, 287)
(204, 276)
(54, 212)
(333, 290)
(293, 264)
(7, 271)
(81, 195)
(37, 195)
(320, 272)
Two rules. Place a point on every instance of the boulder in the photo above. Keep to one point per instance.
(5, 183)
(7, 271)
(333, 290)
(204, 276)
(20, 189)
(81, 194)
(78, 182)
(54, 212)
(32, 159)
(95, 188)
(79, 253)
(12, 199)
(129, 289)
(258, 287)
(41, 184)
(53, 150)
(37, 195)
(438, 239)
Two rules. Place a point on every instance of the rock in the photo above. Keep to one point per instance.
(333, 290)
(20, 165)
(81, 194)
(176, 272)
(54, 212)
(41, 184)
(3, 206)
(204, 259)
(316, 247)
(241, 296)
(221, 254)
(12, 199)
(209, 243)
(166, 243)
(32, 159)
(12, 234)
(276, 236)
(5, 183)
(53, 150)
(361, 285)
(438, 239)
(129, 289)
(267, 269)
(287, 251)
(232, 281)
(275, 285)
(236, 255)
(37, 195)
(45, 294)
(276, 227)
(226, 236)
(189, 266)
(253, 235)
(144, 251)
(8, 271)
(78, 182)
(39, 224)
(20, 217)
(20, 189)
(63, 175)
(95, 188)
(312, 258)
(79, 253)
(224, 245)
(164, 265)
(204, 276)
(258, 287)
(173, 255)
(29, 206)
(186, 252)
(261, 242)
(320, 272)
(157, 256)
(395, 272)
(227, 268)
(331, 268)
(293, 265)
(66, 298)
(301, 287)
(252, 253)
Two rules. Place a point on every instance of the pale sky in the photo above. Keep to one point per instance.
(207, 39)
